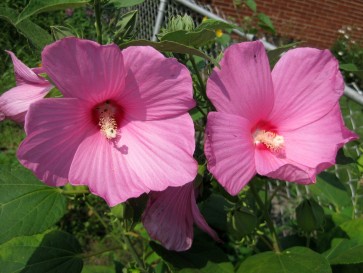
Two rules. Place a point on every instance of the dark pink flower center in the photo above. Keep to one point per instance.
(265, 136)
(108, 115)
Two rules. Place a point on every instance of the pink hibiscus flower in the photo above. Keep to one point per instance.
(122, 127)
(30, 88)
(169, 217)
(285, 125)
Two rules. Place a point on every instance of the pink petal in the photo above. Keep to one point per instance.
(168, 217)
(15, 103)
(229, 150)
(307, 85)
(273, 166)
(243, 86)
(317, 143)
(84, 69)
(160, 151)
(155, 87)
(104, 169)
(23, 73)
(141, 161)
(55, 128)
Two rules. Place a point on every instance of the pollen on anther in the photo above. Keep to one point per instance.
(271, 140)
(107, 121)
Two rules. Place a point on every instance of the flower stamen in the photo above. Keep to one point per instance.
(107, 121)
(271, 140)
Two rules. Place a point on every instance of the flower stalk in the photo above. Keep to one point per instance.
(98, 12)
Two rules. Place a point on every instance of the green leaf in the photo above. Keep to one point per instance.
(274, 55)
(60, 32)
(53, 252)
(344, 251)
(265, 22)
(348, 67)
(27, 206)
(126, 25)
(252, 5)
(192, 38)
(202, 257)
(330, 190)
(34, 33)
(168, 46)
(354, 229)
(342, 159)
(292, 260)
(98, 269)
(212, 24)
(38, 6)
(125, 3)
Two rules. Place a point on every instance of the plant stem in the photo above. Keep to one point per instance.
(133, 251)
(85, 256)
(200, 80)
(98, 21)
(270, 224)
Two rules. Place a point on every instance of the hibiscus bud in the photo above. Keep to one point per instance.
(241, 223)
(309, 215)
(180, 23)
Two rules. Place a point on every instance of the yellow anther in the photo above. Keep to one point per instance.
(271, 140)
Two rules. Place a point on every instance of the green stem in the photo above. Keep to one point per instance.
(202, 111)
(133, 252)
(86, 256)
(98, 11)
(199, 77)
(270, 224)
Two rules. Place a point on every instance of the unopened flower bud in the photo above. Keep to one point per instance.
(309, 215)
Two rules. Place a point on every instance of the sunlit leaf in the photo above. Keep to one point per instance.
(265, 22)
(52, 252)
(354, 229)
(252, 5)
(168, 46)
(275, 54)
(125, 3)
(192, 38)
(38, 6)
(344, 251)
(292, 260)
(27, 206)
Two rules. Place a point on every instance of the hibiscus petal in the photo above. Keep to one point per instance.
(55, 128)
(307, 85)
(160, 151)
(155, 87)
(317, 143)
(168, 218)
(275, 166)
(243, 86)
(229, 150)
(150, 155)
(84, 69)
(104, 169)
(23, 73)
(15, 103)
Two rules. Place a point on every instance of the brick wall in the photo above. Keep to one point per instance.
(313, 21)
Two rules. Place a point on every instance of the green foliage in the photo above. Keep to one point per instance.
(344, 251)
(126, 26)
(200, 258)
(292, 260)
(309, 215)
(27, 206)
(125, 3)
(38, 6)
(274, 55)
(51, 252)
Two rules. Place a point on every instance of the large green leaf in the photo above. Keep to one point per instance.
(214, 25)
(168, 46)
(34, 33)
(344, 251)
(292, 260)
(38, 6)
(354, 229)
(201, 258)
(190, 38)
(27, 206)
(52, 252)
(330, 190)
